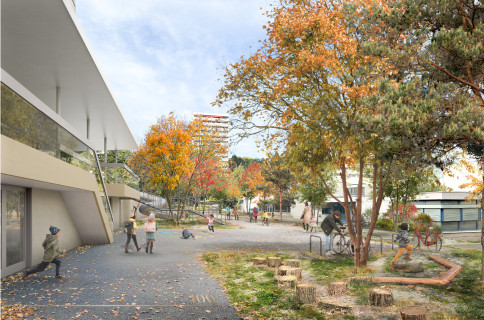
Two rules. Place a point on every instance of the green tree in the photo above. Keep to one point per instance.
(274, 171)
(441, 44)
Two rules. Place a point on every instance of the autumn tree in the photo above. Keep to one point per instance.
(163, 159)
(205, 156)
(302, 89)
(250, 181)
(441, 44)
(172, 157)
(313, 89)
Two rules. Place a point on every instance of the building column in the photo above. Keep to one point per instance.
(58, 100)
(105, 150)
(88, 128)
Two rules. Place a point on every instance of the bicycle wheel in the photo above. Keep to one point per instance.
(339, 243)
(433, 242)
(350, 246)
(414, 241)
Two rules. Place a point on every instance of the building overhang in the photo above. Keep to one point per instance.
(43, 48)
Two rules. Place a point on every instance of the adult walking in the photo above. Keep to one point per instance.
(328, 225)
(306, 217)
(255, 213)
(236, 212)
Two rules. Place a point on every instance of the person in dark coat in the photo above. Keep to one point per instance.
(328, 225)
(187, 234)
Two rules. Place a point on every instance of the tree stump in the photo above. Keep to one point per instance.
(295, 272)
(274, 262)
(288, 282)
(293, 263)
(337, 288)
(381, 297)
(414, 313)
(282, 271)
(306, 293)
(259, 261)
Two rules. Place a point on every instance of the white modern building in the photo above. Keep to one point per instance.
(218, 126)
(56, 111)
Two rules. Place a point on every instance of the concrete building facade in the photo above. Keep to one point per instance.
(56, 111)
(218, 126)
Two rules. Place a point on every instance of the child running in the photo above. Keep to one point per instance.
(150, 229)
(51, 249)
(210, 223)
(403, 240)
(265, 218)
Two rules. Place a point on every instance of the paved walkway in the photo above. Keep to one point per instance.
(103, 282)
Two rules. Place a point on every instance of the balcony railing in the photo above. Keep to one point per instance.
(120, 173)
(23, 122)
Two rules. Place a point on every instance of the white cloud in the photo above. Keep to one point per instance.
(162, 56)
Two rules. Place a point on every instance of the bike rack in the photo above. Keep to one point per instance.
(381, 241)
(320, 244)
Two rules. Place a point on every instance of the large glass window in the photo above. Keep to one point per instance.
(15, 226)
(22, 122)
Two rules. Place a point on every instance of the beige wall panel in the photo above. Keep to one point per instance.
(122, 191)
(48, 208)
(116, 209)
(127, 210)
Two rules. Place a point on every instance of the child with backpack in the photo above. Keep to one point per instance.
(150, 229)
(130, 229)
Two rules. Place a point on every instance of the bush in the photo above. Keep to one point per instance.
(423, 221)
(423, 218)
(385, 224)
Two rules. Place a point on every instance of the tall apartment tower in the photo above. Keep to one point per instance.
(218, 124)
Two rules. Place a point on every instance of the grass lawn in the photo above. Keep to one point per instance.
(254, 292)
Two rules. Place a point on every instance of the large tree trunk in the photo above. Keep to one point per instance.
(482, 221)
(280, 204)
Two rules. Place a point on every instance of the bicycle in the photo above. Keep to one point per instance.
(433, 241)
(340, 243)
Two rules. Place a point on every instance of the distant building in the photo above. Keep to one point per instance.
(451, 210)
(218, 125)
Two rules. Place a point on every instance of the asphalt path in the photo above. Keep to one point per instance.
(103, 282)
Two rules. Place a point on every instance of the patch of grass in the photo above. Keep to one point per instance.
(468, 254)
(466, 290)
(253, 290)
(360, 288)
(340, 267)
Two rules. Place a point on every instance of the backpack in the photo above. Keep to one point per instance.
(256, 210)
(150, 227)
(128, 225)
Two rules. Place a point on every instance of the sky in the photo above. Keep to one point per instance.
(159, 56)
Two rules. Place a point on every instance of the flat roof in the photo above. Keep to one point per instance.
(43, 47)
